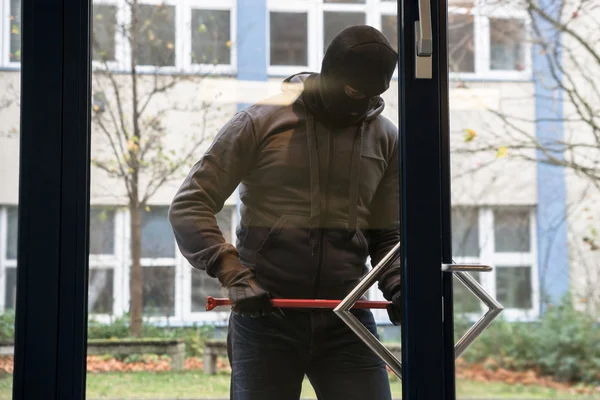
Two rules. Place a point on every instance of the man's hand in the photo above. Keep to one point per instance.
(396, 309)
(249, 299)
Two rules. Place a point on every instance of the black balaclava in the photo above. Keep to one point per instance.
(361, 57)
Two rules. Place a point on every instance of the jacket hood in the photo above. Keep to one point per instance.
(296, 84)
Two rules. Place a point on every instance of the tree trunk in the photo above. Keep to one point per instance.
(135, 278)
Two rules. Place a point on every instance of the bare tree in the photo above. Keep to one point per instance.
(129, 115)
(565, 34)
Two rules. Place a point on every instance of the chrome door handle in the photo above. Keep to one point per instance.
(343, 309)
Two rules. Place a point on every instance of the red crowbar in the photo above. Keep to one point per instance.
(211, 303)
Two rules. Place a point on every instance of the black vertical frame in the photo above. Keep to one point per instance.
(51, 313)
(427, 334)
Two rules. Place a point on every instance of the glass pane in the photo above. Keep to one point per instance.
(335, 22)
(511, 231)
(465, 232)
(464, 300)
(10, 286)
(157, 234)
(12, 217)
(211, 37)
(159, 291)
(15, 30)
(507, 44)
(156, 35)
(151, 127)
(101, 291)
(104, 32)
(10, 142)
(102, 231)
(289, 38)
(461, 43)
(513, 287)
(389, 28)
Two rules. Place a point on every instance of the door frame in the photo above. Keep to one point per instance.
(428, 330)
(51, 311)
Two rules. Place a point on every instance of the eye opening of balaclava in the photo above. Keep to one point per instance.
(362, 58)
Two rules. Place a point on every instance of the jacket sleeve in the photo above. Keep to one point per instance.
(384, 224)
(202, 195)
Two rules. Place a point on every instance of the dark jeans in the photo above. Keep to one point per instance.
(271, 355)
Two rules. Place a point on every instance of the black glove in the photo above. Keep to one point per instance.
(249, 299)
(246, 295)
(391, 286)
(396, 309)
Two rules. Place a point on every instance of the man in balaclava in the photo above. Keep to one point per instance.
(318, 185)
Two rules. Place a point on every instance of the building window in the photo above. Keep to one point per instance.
(102, 231)
(507, 44)
(389, 28)
(15, 31)
(156, 35)
(10, 287)
(289, 33)
(158, 263)
(461, 43)
(335, 21)
(511, 231)
(203, 285)
(211, 37)
(503, 237)
(105, 258)
(483, 41)
(158, 291)
(101, 291)
(12, 220)
(157, 235)
(104, 33)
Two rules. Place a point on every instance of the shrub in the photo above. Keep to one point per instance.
(563, 344)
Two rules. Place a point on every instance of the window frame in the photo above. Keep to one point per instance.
(375, 9)
(115, 261)
(481, 33)
(489, 256)
(220, 316)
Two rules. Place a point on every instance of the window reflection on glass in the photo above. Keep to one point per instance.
(10, 287)
(335, 22)
(389, 27)
(102, 231)
(104, 27)
(461, 43)
(465, 232)
(507, 44)
(211, 37)
(100, 291)
(157, 234)
(288, 42)
(15, 30)
(513, 287)
(12, 215)
(511, 231)
(156, 38)
(158, 291)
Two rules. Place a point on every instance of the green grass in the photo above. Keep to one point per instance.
(196, 385)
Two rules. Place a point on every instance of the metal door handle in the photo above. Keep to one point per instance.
(423, 42)
(423, 31)
(343, 309)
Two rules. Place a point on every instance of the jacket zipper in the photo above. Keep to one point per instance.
(322, 219)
